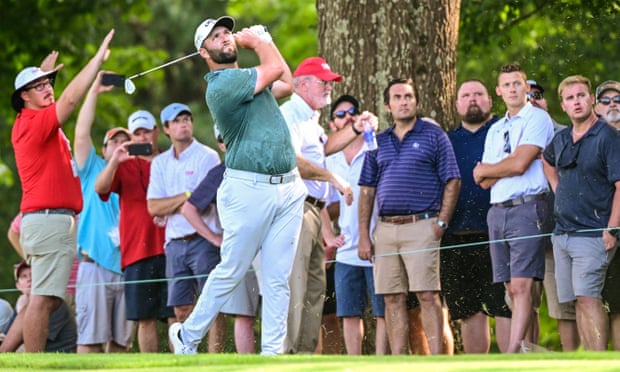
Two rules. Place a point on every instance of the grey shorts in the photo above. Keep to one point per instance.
(580, 266)
(245, 297)
(100, 307)
(517, 241)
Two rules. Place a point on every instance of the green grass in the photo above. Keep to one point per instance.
(564, 362)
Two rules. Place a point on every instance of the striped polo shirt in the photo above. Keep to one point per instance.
(410, 176)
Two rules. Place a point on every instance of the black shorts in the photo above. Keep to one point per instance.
(329, 307)
(467, 278)
(147, 300)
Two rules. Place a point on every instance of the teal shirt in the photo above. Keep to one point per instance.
(255, 133)
(98, 218)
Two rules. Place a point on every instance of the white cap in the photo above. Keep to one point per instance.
(205, 28)
(173, 110)
(141, 119)
(25, 77)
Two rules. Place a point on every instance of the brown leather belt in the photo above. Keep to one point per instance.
(319, 203)
(520, 200)
(411, 218)
(187, 238)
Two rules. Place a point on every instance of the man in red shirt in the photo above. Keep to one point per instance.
(142, 241)
(51, 193)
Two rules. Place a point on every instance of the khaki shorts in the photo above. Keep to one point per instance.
(49, 242)
(406, 257)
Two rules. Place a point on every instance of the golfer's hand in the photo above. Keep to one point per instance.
(247, 39)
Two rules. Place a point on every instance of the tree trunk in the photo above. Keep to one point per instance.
(374, 41)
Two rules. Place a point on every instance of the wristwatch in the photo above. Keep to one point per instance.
(442, 224)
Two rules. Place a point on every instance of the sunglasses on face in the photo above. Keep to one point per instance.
(340, 114)
(607, 100)
(535, 95)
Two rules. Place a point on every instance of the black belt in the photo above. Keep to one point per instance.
(187, 238)
(66, 211)
(520, 200)
(319, 203)
(411, 218)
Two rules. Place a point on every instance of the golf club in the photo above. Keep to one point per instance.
(130, 88)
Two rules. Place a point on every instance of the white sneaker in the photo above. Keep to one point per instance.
(174, 333)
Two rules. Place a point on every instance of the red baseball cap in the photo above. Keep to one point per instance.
(318, 67)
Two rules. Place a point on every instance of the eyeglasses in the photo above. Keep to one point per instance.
(567, 158)
(340, 114)
(323, 83)
(41, 86)
(534, 95)
(506, 142)
(607, 100)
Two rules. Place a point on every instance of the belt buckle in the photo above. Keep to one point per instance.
(278, 177)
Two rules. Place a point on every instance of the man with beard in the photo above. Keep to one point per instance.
(466, 271)
(413, 154)
(608, 108)
(261, 198)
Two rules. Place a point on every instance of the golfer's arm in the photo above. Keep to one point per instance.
(270, 68)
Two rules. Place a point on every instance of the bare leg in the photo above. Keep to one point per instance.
(245, 340)
(396, 322)
(182, 312)
(476, 334)
(569, 335)
(381, 339)
(147, 336)
(520, 290)
(217, 334)
(15, 336)
(593, 323)
(87, 349)
(448, 337)
(615, 331)
(113, 347)
(502, 332)
(36, 321)
(353, 328)
(417, 337)
(432, 320)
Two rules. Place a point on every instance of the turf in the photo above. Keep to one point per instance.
(564, 362)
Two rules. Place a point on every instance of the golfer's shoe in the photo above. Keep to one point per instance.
(174, 333)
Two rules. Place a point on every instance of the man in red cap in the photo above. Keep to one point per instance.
(51, 195)
(313, 80)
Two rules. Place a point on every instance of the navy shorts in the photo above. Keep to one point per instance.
(467, 278)
(193, 260)
(518, 240)
(147, 300)
(354, 284)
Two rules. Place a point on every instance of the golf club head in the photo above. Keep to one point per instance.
(130, 87)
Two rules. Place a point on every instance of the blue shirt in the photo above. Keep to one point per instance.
(206, 192)
(97, 233)
(255, 133)
(587, 171)
(472, 206)
(410, 175)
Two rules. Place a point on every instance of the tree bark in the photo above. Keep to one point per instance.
(374, 41)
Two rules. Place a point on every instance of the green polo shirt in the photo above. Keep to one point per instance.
(255, 133)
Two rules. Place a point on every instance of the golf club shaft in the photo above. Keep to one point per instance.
(162, 66)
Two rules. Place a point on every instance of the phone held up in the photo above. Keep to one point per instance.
(140, 149)
(113, 79)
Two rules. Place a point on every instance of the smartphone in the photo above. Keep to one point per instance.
(113, 79)
(140, 149)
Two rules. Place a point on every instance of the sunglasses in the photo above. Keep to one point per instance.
(342, 113)
(506, 142)
(567, 158)
(535, 95)
(607, 100)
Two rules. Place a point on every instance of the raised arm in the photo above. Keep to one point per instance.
(83, 141)
(75, 90)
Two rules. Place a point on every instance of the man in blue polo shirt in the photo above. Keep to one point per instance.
(466, 272)
(581, 164)
(416, 180)
(512, 168)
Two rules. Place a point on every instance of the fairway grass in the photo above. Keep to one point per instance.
(563, 362)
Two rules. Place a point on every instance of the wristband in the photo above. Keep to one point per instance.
(357, 132)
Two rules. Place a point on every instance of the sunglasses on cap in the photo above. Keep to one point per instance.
(535, 95)
(342, 113)
(607, 100)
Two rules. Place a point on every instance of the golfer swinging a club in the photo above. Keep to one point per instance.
(261, 198)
